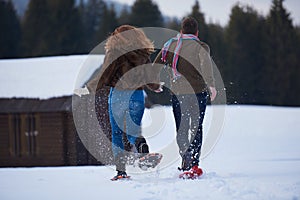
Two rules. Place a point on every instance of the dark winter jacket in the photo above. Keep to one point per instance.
(194, 65)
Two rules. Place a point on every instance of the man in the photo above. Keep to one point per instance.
(189, 63)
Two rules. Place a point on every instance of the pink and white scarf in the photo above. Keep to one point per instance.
(166, 47)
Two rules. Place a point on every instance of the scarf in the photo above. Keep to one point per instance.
(166, 47)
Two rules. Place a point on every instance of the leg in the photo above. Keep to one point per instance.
(117, 141)
(182, 122)
(196, 128)
(116, 116)
(133, 120)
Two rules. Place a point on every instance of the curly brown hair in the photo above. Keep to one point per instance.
(127, 37)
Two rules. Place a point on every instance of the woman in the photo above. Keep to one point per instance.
(124, 71)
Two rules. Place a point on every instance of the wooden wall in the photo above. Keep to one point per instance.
(55, 142)
(4, 139)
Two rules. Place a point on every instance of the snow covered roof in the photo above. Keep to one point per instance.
(46, 77)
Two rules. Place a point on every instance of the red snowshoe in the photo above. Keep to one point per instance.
(193, 173)
(150, 160)
(121, 175)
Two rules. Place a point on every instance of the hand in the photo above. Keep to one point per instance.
(81, 91)
(213, 93)
(160, 89)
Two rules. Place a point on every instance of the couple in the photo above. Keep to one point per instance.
(127, 70)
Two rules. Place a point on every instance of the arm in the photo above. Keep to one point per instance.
(153, 77)
(99, 79)
(207, 70)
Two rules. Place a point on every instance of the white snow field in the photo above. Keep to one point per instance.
(256, 157)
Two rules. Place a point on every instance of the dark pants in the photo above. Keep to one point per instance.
(189, 111)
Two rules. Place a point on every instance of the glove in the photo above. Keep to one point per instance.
(81, 91)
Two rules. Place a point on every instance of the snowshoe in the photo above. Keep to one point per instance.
(150, 160)
(120, 176)
(193, 173)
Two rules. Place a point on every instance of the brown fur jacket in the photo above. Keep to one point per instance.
(126, 65)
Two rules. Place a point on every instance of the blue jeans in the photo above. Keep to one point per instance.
(126, 109)
(189, 111)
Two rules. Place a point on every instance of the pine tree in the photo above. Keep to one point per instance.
(92, 15)
(245, 40)
(199, 16)
(282, 57)
(10, 34)
(35, 29)
(66, 28)
(145, 13)
(124, 17)
(173, 24)
(108, 23)
(216, 42)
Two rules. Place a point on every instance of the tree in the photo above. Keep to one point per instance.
(282, 56)
(92, 16)
(145, 13)
(245, 40)
(199, 16)
(173, 24)
(124, 17)
(66, 28)
(216, 42)
(35, 29)
(108, 23)
(10, 34)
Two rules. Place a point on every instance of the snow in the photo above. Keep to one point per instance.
(45, 77)
(256, 157)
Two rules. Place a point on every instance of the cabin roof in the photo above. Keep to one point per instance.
(45, 77)
(24, 105)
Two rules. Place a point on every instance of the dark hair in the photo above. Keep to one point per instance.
(189, 25)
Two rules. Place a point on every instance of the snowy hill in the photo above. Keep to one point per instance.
(256, 157)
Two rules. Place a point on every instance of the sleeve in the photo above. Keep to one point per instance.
(206, 65)
(158, 58)
(104, 75)
(152, 74)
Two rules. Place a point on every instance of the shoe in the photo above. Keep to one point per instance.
(139, 151)
(197, 171)
(141, 146)
(120, 175)
(194, 173)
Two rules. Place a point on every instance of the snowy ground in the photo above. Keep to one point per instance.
(256, 157)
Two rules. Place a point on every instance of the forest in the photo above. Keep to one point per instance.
(258, 56)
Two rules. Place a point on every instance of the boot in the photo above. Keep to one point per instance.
(141, 146)
(120, 175)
